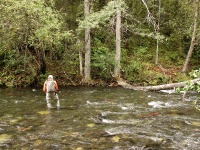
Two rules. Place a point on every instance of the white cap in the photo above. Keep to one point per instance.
(50, 76)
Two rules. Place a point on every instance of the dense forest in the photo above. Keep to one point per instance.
(95, 42)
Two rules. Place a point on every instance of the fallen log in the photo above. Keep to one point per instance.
(123, 83)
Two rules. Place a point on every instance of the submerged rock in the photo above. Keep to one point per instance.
(5, 137)
(43, 112)
(115, 138)
(156, 104)
(196, 124)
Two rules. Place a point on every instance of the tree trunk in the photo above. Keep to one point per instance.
(151, 20)
(155, 88)
(87, 70)
(185, 67)
(157, 31)
(118, 45)
(80, 59)
(157, 50)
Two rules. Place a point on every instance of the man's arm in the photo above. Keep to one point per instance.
(44, 87)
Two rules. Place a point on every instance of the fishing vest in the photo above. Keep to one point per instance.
(50, 86)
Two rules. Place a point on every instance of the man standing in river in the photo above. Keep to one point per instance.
(50, 87)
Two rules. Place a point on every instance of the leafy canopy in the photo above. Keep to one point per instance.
(30, 22)
(93, 20)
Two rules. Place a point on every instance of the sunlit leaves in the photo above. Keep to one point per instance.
(27, 28)
(31, 22)
(190, 86)
(93, 20)
(195, 73)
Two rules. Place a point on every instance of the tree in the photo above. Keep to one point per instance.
(29, 30)
(87, 70)
(118, 44)
(80, 57)
(192, 44)
(152, 20)
(157, 31)
(157, 87)
(95, 19)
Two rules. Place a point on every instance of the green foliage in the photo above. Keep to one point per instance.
(130, 66)
(42, 78)
(93, 20)
(171, 57)
(144, 52)
(102, 61)
(196, 53)
(34, 32)
(192, 86)
(195, 73)
(182, 77)
(132, 70)
(31, 23)
(28, 28)
(17, 70)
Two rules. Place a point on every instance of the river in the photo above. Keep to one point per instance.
(92, 118)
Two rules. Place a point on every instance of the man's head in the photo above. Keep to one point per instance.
(50, 77)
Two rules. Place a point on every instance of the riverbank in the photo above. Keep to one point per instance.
(156, 75)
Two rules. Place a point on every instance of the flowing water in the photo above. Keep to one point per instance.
(98, 118)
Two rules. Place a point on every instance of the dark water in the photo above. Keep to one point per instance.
(98, 118)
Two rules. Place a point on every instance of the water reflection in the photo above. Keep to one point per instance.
(98, 118)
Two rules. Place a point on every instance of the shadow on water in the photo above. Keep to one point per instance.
(98, 118)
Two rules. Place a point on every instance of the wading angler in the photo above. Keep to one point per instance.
(50, 87)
